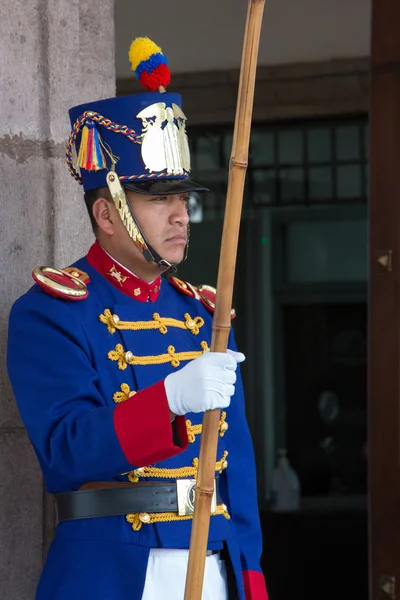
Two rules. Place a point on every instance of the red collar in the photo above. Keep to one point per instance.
(121, 278)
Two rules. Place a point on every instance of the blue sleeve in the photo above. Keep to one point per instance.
(241, 480)
(54, 382)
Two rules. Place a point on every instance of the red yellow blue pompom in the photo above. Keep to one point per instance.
(149, 64)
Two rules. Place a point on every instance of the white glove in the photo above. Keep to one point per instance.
(205, 383)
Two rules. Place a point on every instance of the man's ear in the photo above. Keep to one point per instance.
(103, 215)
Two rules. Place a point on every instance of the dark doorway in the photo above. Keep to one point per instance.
(325, 361)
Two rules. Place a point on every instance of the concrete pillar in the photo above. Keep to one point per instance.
(54, 54)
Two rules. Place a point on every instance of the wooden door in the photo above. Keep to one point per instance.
(384, 302)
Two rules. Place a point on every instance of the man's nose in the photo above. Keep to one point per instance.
(179, 213)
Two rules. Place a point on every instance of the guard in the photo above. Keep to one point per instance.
(109, 363)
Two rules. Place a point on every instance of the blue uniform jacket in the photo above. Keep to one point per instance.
(88, 379)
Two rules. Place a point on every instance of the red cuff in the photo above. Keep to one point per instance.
(143, 427)
(254, 585)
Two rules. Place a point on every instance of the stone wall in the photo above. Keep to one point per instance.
(54, 54)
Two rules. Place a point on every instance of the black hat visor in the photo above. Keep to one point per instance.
(158, 187)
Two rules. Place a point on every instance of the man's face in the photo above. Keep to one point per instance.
(164, 222)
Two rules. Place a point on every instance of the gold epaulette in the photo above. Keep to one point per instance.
(69, 283)
(205, 293)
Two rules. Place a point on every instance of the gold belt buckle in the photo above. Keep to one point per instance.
(185, 490)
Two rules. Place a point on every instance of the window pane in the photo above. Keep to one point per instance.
(195, 207)
(207, 153)
(366, 141)
(348, 143)
(291, 182)
(318, 161)
(261, 148)
(227, 145)
(213, 178)
(290, 147)
(320, 183)
(349, 181)
(214, 202)
(366, 178)
(327, 251)
(319, 145)
(264, 186)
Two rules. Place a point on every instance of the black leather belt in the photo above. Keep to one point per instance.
(121, 499)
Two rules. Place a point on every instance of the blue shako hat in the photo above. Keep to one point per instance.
(142, 136)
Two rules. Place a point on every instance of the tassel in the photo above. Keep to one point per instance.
(90, 155)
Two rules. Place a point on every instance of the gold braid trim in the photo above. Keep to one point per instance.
(127, 358)
(179, 473)
(138, 519)
(124, 394)
(193, 430)
(161, 323)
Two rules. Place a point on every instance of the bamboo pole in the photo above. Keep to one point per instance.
(226, 274)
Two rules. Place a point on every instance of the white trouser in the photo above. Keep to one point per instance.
(166, 576)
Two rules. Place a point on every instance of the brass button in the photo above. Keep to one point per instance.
(137, 292)
(224, 507)
(115, 319)
(128, 356)
(139, 472)
(144, 517)
(224, 427)
(190, 324)
(225, 464)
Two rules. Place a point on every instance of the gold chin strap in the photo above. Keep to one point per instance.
(121, 203)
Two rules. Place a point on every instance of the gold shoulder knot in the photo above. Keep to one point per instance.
(208, 296)
(184, 287)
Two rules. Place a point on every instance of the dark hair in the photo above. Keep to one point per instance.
(90, 198)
